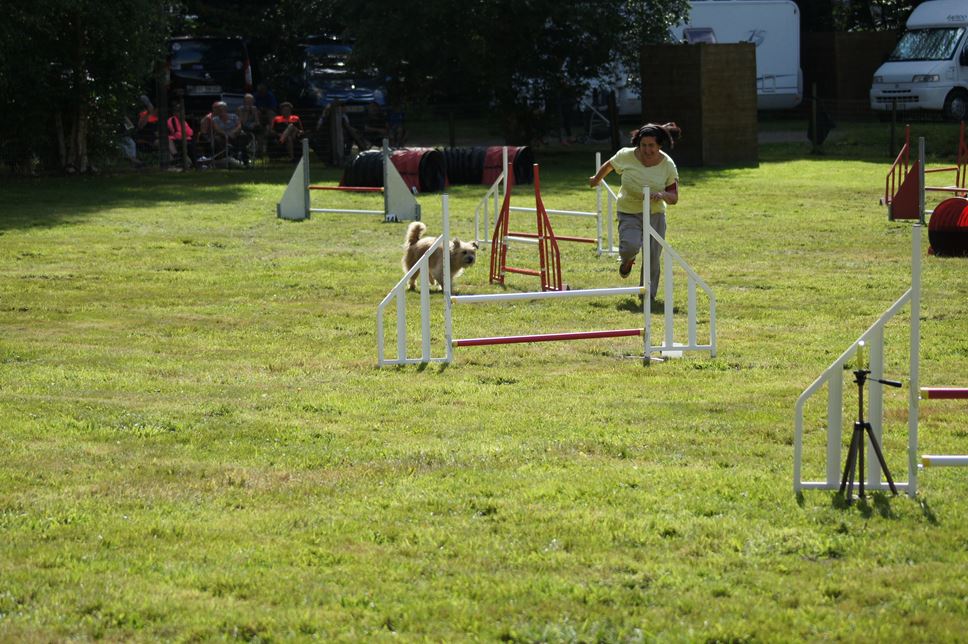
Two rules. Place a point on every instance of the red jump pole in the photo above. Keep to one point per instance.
(347, 188)
(951, 393)
(547, 337)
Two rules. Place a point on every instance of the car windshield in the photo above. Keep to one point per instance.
(206, 54)
(928, 44)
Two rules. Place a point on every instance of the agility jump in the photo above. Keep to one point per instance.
(399, 203)
(667, 348)
(874, 339)
(495, 200)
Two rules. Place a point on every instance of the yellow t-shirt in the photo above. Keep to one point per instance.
(636, 176)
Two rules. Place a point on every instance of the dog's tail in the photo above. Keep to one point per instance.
(415, 231)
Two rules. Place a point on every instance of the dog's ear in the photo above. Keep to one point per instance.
(474, 244)
(454, 243)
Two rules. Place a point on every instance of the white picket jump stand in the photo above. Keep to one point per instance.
(399, 203)
(399, 293)
(668, 347)
(490, 205)
(833, 378)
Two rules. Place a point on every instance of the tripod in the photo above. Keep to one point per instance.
(855, 454)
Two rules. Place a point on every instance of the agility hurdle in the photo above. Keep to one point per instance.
(492, 203)
(903, 192)
(832, 377)
(667, 348)
(399, 204)
(549, 256)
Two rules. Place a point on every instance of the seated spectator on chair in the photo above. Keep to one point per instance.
(266, 101)
(178, 128)
(146, 131)
(206, 133)
(252, 125)
(287, 129)
(228, 132)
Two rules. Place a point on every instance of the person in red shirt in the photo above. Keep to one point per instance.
(287, 128)
(146, 132)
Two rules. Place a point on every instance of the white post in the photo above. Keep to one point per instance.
(875, 406)
(646, 264)
(835, 420)
(598, 206)
(448, 320)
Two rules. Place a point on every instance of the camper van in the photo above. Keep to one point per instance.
(772, 25)
(928, 69)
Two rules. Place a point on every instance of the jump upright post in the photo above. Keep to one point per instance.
(399, 204)
(398, 293)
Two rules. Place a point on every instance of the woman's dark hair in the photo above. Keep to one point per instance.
(665, 135)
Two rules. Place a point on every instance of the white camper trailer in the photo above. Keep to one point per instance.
(772, 25)
(928, 69)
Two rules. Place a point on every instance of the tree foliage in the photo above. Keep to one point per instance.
(67, 69)
(520, 54)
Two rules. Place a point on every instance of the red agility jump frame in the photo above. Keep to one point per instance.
(549, 257)
(901, 194)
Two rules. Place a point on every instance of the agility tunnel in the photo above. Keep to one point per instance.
(948, 228)
(423, 169)
(482, 165)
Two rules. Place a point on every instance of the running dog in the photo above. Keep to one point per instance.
(462, 255)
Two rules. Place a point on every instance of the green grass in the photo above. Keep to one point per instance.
(197, 443)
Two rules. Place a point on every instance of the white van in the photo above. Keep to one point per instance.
(928, 69)
(772, 25)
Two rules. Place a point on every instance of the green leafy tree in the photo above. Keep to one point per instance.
(520, 54)
(67, 70)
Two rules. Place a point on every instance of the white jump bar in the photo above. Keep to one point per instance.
(547, 295)
(573, 213)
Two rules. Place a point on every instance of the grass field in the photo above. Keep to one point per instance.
(197, 443)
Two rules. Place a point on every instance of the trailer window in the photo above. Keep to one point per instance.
(928, 44)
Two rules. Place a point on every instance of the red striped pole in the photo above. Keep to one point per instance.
(347, 188)
(951, 393)
(547, 337)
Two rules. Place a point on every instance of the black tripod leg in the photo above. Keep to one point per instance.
(849, 463)
(851, 467)
(860, 461)
(880, 458)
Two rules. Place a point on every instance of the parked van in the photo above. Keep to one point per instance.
(203, 69)
(772, 25)
(928, 69)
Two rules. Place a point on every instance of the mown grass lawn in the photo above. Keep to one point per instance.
(197, 444)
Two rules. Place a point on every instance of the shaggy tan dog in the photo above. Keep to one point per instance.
(462, 255)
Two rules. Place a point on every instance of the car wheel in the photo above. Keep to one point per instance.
(956, 105)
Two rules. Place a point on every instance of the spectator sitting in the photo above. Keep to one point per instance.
(287, 128)
(127, 144)
(266, 101)
(206, 134)
(146, 132)
(251, 119)
(228, 131)
(177, 128)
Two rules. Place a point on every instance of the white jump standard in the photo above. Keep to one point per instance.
(668, 347)
(399, 203)
(874, 339)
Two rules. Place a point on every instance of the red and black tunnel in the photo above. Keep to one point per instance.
(420, 168)
(480, 165)
(948, 228)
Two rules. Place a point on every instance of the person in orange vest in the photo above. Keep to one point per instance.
(287, 128)
(178, 128)
(146, 131)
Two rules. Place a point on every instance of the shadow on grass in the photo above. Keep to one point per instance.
(873, 503)
(52, 201)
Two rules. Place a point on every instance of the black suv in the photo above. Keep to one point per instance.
(203, 69)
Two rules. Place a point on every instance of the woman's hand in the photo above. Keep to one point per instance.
(593, 181)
